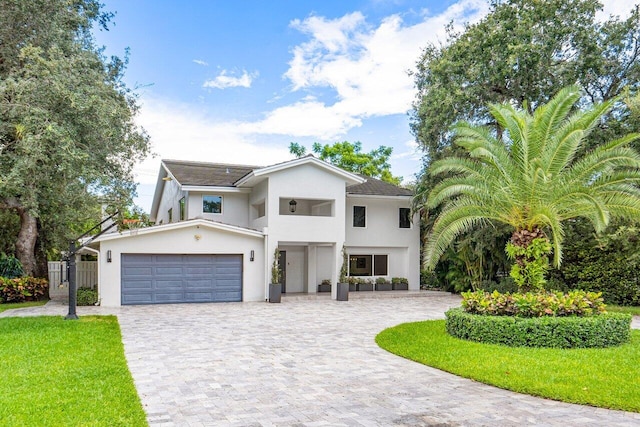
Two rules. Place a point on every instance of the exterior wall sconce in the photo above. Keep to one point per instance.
(109, 255)
(252, 255)
(292, 205)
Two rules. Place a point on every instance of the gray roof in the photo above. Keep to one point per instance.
(225, 175)
(207, 174)
(376, 187)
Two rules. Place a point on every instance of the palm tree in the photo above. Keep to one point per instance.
(532, 177)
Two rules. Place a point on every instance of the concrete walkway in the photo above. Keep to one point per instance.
(309, 363)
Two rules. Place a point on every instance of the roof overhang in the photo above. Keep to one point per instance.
(217, 189)
(178, 226)
(257, 175)
(376, 196)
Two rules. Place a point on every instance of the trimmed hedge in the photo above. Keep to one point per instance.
(603, 330)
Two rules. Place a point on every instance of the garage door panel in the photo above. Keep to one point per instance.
(176, 270)
(171, 278)
(138, 271)
(169, 258)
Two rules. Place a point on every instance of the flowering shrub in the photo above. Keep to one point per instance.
(22, 289)
(534, 304)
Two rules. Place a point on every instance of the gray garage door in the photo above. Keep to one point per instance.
(158, 279)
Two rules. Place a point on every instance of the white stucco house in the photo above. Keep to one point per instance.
(218, 225)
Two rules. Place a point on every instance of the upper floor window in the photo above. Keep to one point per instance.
(182, 209)
(359, 216)
(212, 204)
(405, 218)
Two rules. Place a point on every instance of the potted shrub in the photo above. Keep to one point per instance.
(275, 287)
(382, 284)
(400, 284)
(343, 285)
(365, 285)
(353, 283)
(325, 286)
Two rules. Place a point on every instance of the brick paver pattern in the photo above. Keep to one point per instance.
(309, 362)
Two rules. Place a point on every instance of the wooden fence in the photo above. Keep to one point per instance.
(86, 274)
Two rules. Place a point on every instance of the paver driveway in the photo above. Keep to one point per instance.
(311, 363)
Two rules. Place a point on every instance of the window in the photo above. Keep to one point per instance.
(368, 265)
(170, 212)
(380, 265)
(182, 209)
(405, 218)
(212, 204)
(359, 216)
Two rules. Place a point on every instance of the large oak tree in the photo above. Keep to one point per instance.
(67, 134)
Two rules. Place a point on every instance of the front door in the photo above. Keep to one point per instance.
(282, 266)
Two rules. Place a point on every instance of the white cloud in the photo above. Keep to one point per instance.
(619, 8)
(182, 132)
(365, 65)
(224, 80)
(201, 62)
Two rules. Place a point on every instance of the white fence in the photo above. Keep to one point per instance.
(86, 274)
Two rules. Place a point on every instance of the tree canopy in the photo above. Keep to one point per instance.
(533, 177)
(525, 50)
(68, 140)
(349, 156)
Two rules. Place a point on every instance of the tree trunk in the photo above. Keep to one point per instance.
(42, 265)
(26, 244)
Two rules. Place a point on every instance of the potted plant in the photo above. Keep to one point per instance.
(325, 286)
(400, 284)
(382, 284)
(365, 285)
(275, 287)
(353, 283)
(343, 285)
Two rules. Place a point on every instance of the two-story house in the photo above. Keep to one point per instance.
(218, 226)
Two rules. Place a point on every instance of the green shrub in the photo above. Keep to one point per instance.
(381, 281)
(533, 304)
(505, 285)
(86, 296)
(399, 280)
(10, 266)
(22, 289)
(603, 330)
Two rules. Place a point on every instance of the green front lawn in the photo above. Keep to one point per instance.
(606, 378)
(60, 372)
(633, 310)
(12, 305)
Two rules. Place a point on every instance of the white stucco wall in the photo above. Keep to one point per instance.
(170, 199)
(183, 241)
(258, 195)
(235, 208)
(383, 235)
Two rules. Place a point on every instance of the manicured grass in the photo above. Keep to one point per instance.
(59, 372)
(634, 310)
(12, 305)
(606, 378)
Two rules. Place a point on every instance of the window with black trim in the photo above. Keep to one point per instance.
(405, 217)
(182, 209)
(368, 265)
(380, 265)
(212, 204)
(359, 216)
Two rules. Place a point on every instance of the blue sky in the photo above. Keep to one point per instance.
(237, 81)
